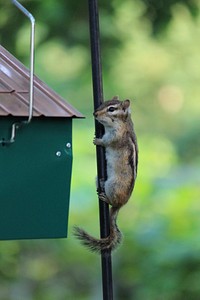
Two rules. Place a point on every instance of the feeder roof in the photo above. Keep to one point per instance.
(14, 92)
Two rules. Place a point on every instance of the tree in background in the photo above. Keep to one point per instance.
(68, 20)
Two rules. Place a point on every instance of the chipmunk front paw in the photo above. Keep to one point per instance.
(97, 142)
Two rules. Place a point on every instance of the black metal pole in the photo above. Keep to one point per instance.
(106, 261)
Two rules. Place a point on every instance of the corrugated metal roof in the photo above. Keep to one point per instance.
(14, 92)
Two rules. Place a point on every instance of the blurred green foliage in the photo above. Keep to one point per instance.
(160, 256)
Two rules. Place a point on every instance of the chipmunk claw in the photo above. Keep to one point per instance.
(104, 198)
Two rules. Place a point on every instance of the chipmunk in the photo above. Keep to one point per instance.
(121, 152)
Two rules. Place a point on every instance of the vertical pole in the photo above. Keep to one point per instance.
(106, 261)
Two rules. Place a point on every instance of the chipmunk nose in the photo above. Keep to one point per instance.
(95, 114)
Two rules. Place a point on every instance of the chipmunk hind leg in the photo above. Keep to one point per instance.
(101, 192)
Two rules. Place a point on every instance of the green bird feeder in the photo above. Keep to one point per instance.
(35, 156)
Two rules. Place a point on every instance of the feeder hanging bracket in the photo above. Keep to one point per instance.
(17, 125)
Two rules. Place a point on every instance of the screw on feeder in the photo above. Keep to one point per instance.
(58, 153)
(68, 145)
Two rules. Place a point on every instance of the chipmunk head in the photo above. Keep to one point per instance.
(112, 110)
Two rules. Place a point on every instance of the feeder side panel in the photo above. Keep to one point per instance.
(35, 178)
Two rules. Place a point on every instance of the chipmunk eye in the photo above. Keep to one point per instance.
(111, 109)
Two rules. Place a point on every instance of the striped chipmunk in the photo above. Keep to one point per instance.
(121, 152)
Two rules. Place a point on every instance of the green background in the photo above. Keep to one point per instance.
(150, 54)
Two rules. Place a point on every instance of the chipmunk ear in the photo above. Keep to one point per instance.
(126, 106)
(126, 103)
(115, 98)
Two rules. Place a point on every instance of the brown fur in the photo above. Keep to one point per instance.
(121, 150)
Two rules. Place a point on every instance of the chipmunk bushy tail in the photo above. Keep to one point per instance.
(97, 245)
